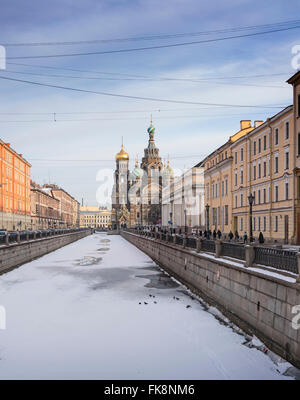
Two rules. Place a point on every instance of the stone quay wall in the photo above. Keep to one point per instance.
(16, 254)
(260, 304)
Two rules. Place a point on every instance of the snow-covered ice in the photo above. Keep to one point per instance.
(75, 314)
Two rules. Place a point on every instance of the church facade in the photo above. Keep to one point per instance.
(137, 194)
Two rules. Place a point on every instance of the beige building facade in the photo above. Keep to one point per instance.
(183, 200)
(44, 208)
(95, 217)
(262, 160)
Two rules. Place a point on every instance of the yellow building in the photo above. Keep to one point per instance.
(95, 217)
(218, 180)
(262, 160)
(257, 160)
(295, 81)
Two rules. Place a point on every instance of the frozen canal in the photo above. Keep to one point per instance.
(81, 312)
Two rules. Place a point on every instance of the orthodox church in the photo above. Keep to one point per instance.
(137, 194)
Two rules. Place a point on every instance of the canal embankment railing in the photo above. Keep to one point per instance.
(24, 248)
(250, 254)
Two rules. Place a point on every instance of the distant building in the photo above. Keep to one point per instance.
(183, 200)
(68, 206)
(44, 208)
(14, 189)
(95, 217)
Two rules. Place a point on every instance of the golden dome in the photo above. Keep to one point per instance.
(122, 155)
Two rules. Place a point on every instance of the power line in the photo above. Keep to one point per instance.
(136, 97)
(147, 79)
(151, 47)
(143, 76)
(151, 37)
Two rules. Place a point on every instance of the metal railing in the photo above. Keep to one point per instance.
(234, 250)
(191, 242)
(277, 258)
(209, 245)
(15, 237)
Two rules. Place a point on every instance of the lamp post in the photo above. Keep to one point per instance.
(171, 222)
(185, 221)
(207, 217)
(251, 200)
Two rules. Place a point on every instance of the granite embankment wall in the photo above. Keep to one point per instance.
(258, 303)
(17, 254)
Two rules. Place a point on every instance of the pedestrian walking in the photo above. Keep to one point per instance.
(261, 238)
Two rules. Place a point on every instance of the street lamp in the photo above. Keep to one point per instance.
(207, 217)
(251, 201)
(185, 221)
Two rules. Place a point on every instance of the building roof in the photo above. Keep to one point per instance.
(294, 78)
(20, 156)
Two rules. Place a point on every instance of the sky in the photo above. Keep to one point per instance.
(71, 137)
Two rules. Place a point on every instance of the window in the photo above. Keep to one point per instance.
(242, 154)
(276, 223)
(242, 176)
(235, 178)
(265, 142)
(287, 130)
(241, 224)
(259, 145)
(253, 224)
(258, 223)
(287, 160)
(235, 201)
(222, 188)
(259, 171)
(226, 215)
(254, 172)
(276, 137)
(235, 157)
(276, 165)
(276, 193)
(264, 223)
(286, 191)
(226, 187)
(258, 197)
(264, 195)
(265, 169)
(254, 148)
(242, 199)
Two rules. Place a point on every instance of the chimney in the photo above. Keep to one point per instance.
(257, 123)
(21, 155)
(245, 123)
(7, 144)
